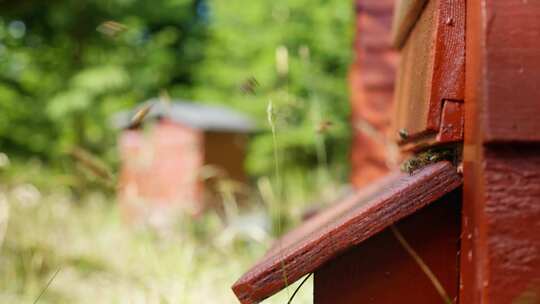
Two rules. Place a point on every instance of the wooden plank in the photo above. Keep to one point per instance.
(500, 260)
(501, 225)
(367, 272)
(414, 78)
(431, 69)
(406, 14)
(355, 219)
(509, 32)
(450, 131)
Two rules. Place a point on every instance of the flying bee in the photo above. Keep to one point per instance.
(111, 28)
(93, 164)
(139, 116)
(249, 85)
(324, 126)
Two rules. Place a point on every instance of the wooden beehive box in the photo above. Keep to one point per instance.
(414, 237)
(167, 166)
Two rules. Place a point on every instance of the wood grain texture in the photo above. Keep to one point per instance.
(506, 40)
(501, 225)
(414, 76)
(431, 69)
(501, 207)
(380, 271)
(406, 14)
(355, 219)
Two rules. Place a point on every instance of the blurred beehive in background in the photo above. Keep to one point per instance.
(169, 163)
(371, 80)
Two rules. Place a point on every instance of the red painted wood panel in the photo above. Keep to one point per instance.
(380, 271)
(451, 128)
(371, 79)
(506, 39)
(501, 206)
(501, 225)
(452, 121)
(348, 223)
(431, 70)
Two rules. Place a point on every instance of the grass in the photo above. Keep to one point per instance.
(103, 260)
(63, 246)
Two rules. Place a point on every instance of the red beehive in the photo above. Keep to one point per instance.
(165, 163)
(371, 79)
(420, 236)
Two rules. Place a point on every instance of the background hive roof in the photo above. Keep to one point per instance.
(195, 115)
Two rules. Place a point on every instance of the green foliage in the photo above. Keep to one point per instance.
(67, 66)
(245, 39)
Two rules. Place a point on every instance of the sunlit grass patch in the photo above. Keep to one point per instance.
(102, 260)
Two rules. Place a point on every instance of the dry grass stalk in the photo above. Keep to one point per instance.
(298, 288)
(46, 286)
(425, 268)
(93, 164)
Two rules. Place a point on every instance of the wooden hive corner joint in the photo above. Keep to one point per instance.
(451, 121)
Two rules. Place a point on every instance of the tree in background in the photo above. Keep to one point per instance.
(67, 66)
(298, 51)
